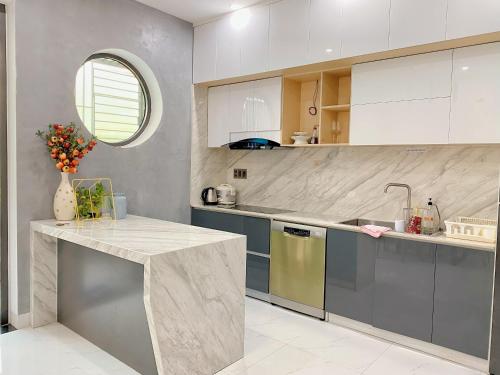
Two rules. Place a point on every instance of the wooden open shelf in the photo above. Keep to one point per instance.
(333, 103)
(337, 108)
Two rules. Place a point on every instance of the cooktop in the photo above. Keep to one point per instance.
(260, 210)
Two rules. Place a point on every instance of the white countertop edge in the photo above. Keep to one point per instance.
(334, 223)
(48, 227)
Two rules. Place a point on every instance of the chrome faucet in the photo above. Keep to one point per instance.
(402, 186)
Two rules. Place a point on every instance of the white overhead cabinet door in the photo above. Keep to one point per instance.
(467, 17)
(324, 30)
(422, 76)
(288, 33)
(364, 26)
(228, 48)
(254, 22)
(475, 107)
(401, 123)
(218, 114)
(415, 22)
(204, 53)
(244, 110)
(402, 101)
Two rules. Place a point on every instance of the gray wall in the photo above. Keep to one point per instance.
(53, 38)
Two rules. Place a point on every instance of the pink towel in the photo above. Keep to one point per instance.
(374, 230)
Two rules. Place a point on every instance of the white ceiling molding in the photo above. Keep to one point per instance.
(199, 11)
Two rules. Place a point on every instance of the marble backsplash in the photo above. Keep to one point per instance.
(349, 181)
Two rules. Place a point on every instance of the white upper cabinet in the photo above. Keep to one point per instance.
(240, 107)
(398, 123)
(244, 110)
(205, 51)
(407, 78)
(229, 40)
(255, 39)
(415, 22)
(475, 109)
(324, 30)
(364, 26)
(267, 104)
(466, 17)
(218, 114)
(288, 33)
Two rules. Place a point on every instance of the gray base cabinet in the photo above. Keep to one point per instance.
(258, 232)
(404, 287)
(350, 274)
(462, 302)
(257, 273)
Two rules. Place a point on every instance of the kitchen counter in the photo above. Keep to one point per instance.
(193, 285)
(328, 221)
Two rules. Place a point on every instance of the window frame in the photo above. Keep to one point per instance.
(145, 90)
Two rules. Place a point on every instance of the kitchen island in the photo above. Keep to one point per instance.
(163, 297)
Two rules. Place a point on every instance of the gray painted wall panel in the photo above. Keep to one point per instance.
(53, 38)
(101, 297)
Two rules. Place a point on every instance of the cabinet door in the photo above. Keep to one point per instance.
(229, 36)
(255, 39)
(475, 113)
(217, 220)
(398, 123)
(266, 105)
(467, 18)
(288, 33)
(417, 22)
(364, 27)
(257, 273)
(204, 52)
(404, 287)
(324, 30)
(218, 113)
(462, 300)
(258, 232)
(424, 76)
(240, 107)
(350, 274)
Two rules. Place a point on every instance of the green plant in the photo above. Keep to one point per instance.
(90, 201)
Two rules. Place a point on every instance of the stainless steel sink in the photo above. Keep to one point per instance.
(361, 222)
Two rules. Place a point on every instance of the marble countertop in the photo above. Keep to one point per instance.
(328, 221)
(134, 238)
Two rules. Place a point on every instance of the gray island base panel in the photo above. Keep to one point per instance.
(193, 286)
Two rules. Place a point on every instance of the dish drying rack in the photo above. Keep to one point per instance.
(472, 228)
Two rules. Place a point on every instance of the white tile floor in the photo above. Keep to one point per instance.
(277, 342)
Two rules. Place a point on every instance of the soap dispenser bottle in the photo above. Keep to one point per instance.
(431, 219)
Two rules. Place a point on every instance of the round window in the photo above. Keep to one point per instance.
(112, 99)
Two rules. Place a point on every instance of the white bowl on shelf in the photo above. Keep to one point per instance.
(301, 139)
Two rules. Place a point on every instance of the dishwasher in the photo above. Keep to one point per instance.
(297, 275)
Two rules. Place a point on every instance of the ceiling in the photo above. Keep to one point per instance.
(196, 11)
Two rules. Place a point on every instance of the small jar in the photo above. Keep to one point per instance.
(120, 206)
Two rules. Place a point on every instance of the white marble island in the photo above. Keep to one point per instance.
(193, 285)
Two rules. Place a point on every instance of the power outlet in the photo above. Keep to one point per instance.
(240, 174)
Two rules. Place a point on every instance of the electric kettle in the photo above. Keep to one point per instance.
(209, 196)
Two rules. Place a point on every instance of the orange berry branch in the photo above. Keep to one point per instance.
(66, 145)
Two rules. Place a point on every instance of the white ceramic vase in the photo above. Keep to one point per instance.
(64, 205)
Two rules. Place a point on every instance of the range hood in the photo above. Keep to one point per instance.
(253, 144)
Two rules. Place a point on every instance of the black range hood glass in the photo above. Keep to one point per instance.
(253, 144)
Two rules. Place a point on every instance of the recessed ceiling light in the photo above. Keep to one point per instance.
(464, 68)
(328, 50)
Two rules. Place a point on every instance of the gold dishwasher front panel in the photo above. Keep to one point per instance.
(298, 265)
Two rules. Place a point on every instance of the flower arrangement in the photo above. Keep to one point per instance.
(66, 145)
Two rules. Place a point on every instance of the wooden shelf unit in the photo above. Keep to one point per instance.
(332, 103)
